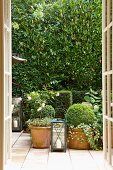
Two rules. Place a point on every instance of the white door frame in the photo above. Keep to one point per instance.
(1, 90)
(5, 83)
(107, 78)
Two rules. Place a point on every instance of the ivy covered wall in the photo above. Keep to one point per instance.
(61, 41)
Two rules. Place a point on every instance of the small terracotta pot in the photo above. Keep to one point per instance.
(77, 139)
(41, 137)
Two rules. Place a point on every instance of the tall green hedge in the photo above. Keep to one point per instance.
(78, 96)
(61, 102)
(61, 41)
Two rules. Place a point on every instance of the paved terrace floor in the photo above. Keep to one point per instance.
(24, 157)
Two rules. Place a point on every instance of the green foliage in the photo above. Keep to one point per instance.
(93, 135)
(80, 113)
(39, 122)
(48, 111)
(61, 103)
(61, 41)
(78, 96)
(95, 98)
(35, 102)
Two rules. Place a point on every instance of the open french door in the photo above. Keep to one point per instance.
(107, 76)
(5, 82)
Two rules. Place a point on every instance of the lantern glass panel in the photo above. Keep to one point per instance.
(58, 141)
(15, 122)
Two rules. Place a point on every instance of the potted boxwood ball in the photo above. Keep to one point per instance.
(41, 127)
(79, 114)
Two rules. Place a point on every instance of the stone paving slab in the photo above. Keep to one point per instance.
(24, 157)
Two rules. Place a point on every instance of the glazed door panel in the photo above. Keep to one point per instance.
(7, 79)
(107, 77)
(5, 83)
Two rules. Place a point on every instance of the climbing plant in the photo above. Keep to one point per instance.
(61, 40)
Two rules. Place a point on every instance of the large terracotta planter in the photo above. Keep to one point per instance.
(77, 139)
(41, 137)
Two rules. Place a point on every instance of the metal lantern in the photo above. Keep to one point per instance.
(17, 114)
(58, 135)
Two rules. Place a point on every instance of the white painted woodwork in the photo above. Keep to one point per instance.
(5, 82)
(107, 77)
(7, 79)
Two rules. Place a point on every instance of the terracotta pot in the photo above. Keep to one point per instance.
(77, 140)
(41, 137)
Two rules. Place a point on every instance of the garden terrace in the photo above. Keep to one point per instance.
(26, 158)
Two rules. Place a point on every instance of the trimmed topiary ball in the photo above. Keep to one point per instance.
(48, 111)
(80, 113)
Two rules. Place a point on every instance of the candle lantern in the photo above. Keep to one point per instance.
(17, 114)
(58, 135)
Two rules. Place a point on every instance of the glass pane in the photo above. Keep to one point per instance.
(7, 51)
(7, 96)
(7, 12)
(58, 135)
(111, 48)
(7, 137)
(105, 34)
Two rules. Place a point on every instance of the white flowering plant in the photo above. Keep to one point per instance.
(93, 135)
(36, 104)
